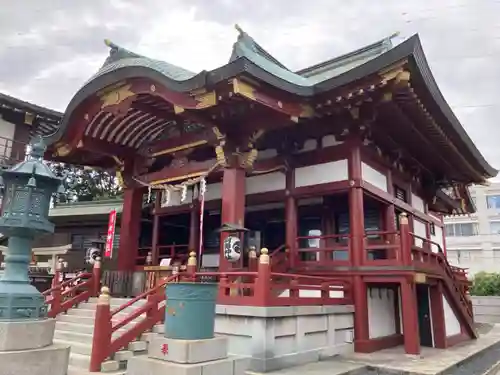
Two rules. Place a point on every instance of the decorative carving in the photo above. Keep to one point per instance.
(116, 96)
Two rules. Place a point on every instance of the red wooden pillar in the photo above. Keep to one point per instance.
(291, 217)
(130, 229)
(356, 211)
(357, 248)
(361, 328)
(409, 309)
(437, 311)
(233, 205)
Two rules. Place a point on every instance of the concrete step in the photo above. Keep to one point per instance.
(81, 362)
(123, 355)
(72, 336)
(90, 320)
(159, 328)
(114, 301)
(93, 305)
(78, 371)
(91, 313)
(76, 347)
(78, 360)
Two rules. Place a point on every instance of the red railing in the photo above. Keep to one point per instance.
(177, 252)
(331, 250)
(382, 248)
(65, 295)
(280, 259)
(259, 288)
(423, 258)
(106, 342)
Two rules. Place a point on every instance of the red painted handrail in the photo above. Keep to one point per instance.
(81, 288)
(173, 251)
(256, 287)
(104, 345)
(66, 283)
(439, 261)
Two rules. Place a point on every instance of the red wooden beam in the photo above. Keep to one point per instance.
(105, 148)
(183, 142)
(294, 109)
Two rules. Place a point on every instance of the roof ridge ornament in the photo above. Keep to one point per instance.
(117, 52)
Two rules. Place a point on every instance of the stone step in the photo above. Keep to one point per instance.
(91, 313)
(93, 305)
(76, 347)
(79, 360)
(159, 328)
(82, 363)
(123, 355)
(90, 320)
(114, 301)
(78, 371)
(72, 336)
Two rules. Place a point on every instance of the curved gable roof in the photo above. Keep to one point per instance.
(250, 58)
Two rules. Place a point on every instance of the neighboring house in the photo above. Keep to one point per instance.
(473, 241)
(19, 121)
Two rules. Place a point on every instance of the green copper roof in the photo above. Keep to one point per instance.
(122, 58)
(246, 47)
(338, 65)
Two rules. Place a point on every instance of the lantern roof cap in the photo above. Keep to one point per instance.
(34, 165)
(232, 228)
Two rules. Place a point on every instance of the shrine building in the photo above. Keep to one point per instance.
(342, 170)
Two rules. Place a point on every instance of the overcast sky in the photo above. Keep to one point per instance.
(49, 48)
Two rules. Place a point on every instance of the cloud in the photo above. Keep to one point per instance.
(49, 49)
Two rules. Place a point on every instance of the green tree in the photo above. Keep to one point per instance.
(486, 284)
(84, 184)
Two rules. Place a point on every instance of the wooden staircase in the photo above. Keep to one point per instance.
(457, 296)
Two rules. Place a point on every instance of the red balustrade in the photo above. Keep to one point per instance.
(328, 250)
(105, 341)
(177, 252)
(280, 259)
(382, 248)
(258, 288)
(426, 260)
(63, 296)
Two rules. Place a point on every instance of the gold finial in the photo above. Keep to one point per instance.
(264, 256)
(108, 43)
(394, 35)
(104, 298)
(192, 259)
(403, 218)
(238, 28)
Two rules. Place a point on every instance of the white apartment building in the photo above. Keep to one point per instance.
(473, 241)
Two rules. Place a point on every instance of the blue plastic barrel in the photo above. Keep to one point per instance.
(190, 311)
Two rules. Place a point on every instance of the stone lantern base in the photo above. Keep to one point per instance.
(26, 347)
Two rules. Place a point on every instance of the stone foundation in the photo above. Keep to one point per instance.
(26, 348)
(277, 337)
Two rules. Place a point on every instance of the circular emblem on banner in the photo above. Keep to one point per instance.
(232, 248)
